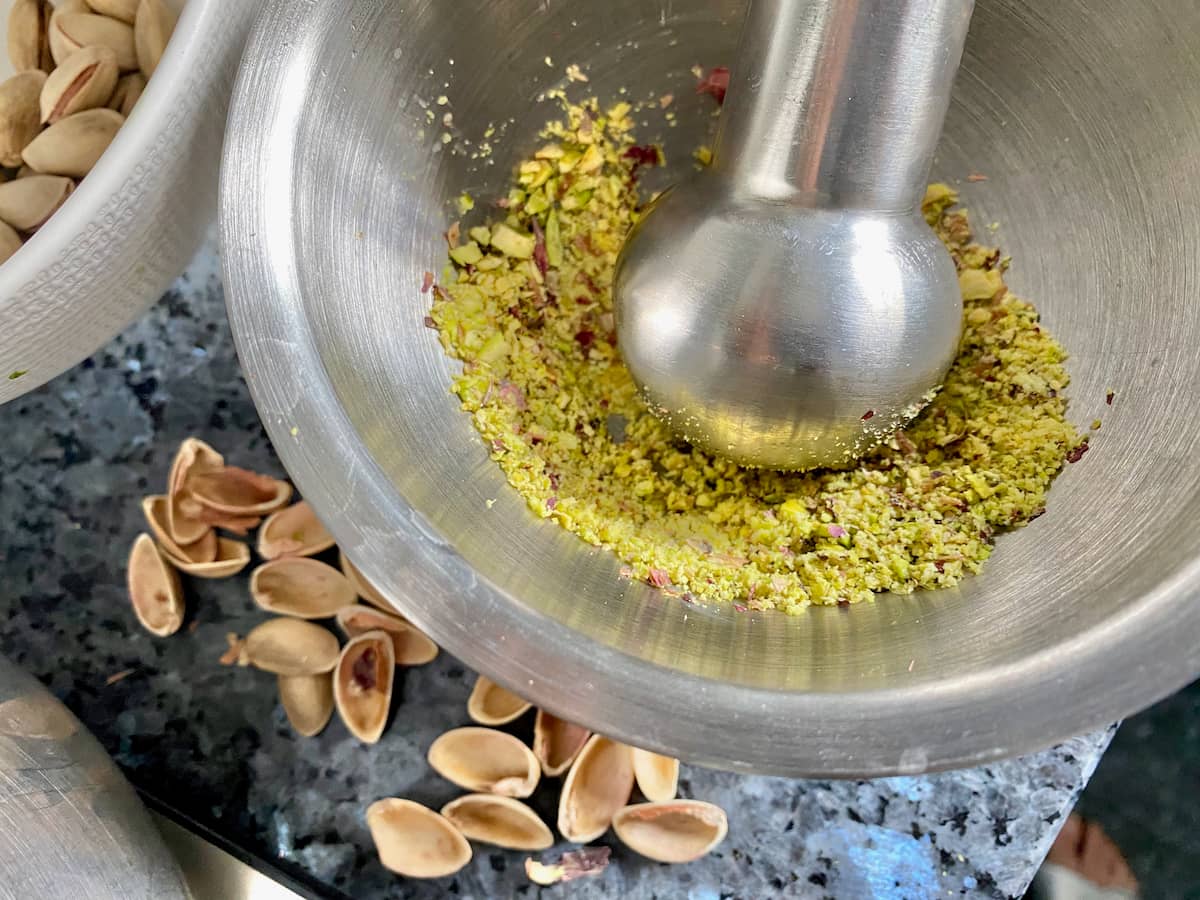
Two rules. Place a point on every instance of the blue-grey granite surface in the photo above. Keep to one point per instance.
(212, 743)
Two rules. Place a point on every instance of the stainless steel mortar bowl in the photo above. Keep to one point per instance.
(1085, 117)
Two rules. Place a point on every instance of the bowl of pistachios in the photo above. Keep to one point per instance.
(111, 121)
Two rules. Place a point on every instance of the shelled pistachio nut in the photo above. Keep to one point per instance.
(499, 821)
(300, 587)
(557, 742)
(122, 10)
(72, 145)
(362, 685)
(291, 647)
(598, 784)
(308, 701)
(154, 588)
(657, 776)
(152, 30)
(677, 831)
(491, 704)
(293, 531)
(10, 242)
(411, 646)
(154, 508)
(414, 841)
(20, 114)
(485, 760)
(28, 202)
(27, 38)
(75, 30)
(86, 80)
(127, 93)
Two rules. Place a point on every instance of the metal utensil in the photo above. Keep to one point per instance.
(789, 307)
(1082, 116)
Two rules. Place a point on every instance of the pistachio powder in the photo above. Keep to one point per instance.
(527, 308)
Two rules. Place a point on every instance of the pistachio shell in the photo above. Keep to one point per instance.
(362, 685)
(238, 492)
(127, 93)
(154, 588)
(85, 81)
(490, 704)
(308, 701)
(556, 742)
(27, 203)
(483, 759)
(73, 145)
(657, 776)
(26, 172)
(28, 46)
(499, 821)
(190, 509)
(20, 115)
(365, 589)
(193, 456)
(676, 831)
(10, 242)
(414, 841)
(291, 647)
(202, 551)
(151, 31)
(72, 31)
(300, 587)
(232, 557)
(598, 784)
(293, 531)
(411, 646)
(121, 10)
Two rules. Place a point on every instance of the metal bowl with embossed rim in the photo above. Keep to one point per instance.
(1085, 118)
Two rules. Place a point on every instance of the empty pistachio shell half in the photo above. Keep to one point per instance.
(85, 81)
(410, 644)
(482, 759)
(657, 776)
(238, 492)
(232, 557)
(76, 30)
(490, 704)
(365, 589)
(122, 10)
(362, 684)
(204, 550)
(308, 701)
(193, 456)
(154, 588)
(415, 841)
(27, 203)
(151, 32)
(300, 587)
(10, 242)
(28, 43)
(127, 93)
(598, 784)
(291, 647)
(73, 145)
(293, 531)
(500, 821)
(20, 114)
(556, 742)
(677, 831)
(191, 509)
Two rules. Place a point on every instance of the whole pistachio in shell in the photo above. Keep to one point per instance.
(193, 457)
(204, 550)
(293, 531)
(291, 647)
(154, 588)
(72, 146)
(365, 589)
(499, 821)
(414, 841)
(308, 701)
(362, 685)
(152, 30)
(657, 776)
(300, 587)
(238, 492)
(10, 242)
(486, 761)
(28, 41)
(20, 114)
(27, 203)
(121, 10)
(127, 93)
(232, 557)
(675, 831)
(76, 30)
(85, 81)
(491, 704)
(598, 784)
(57, 43)
(556, 742)
(410, 645)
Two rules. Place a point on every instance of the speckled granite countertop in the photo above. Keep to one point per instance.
(211, 743)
